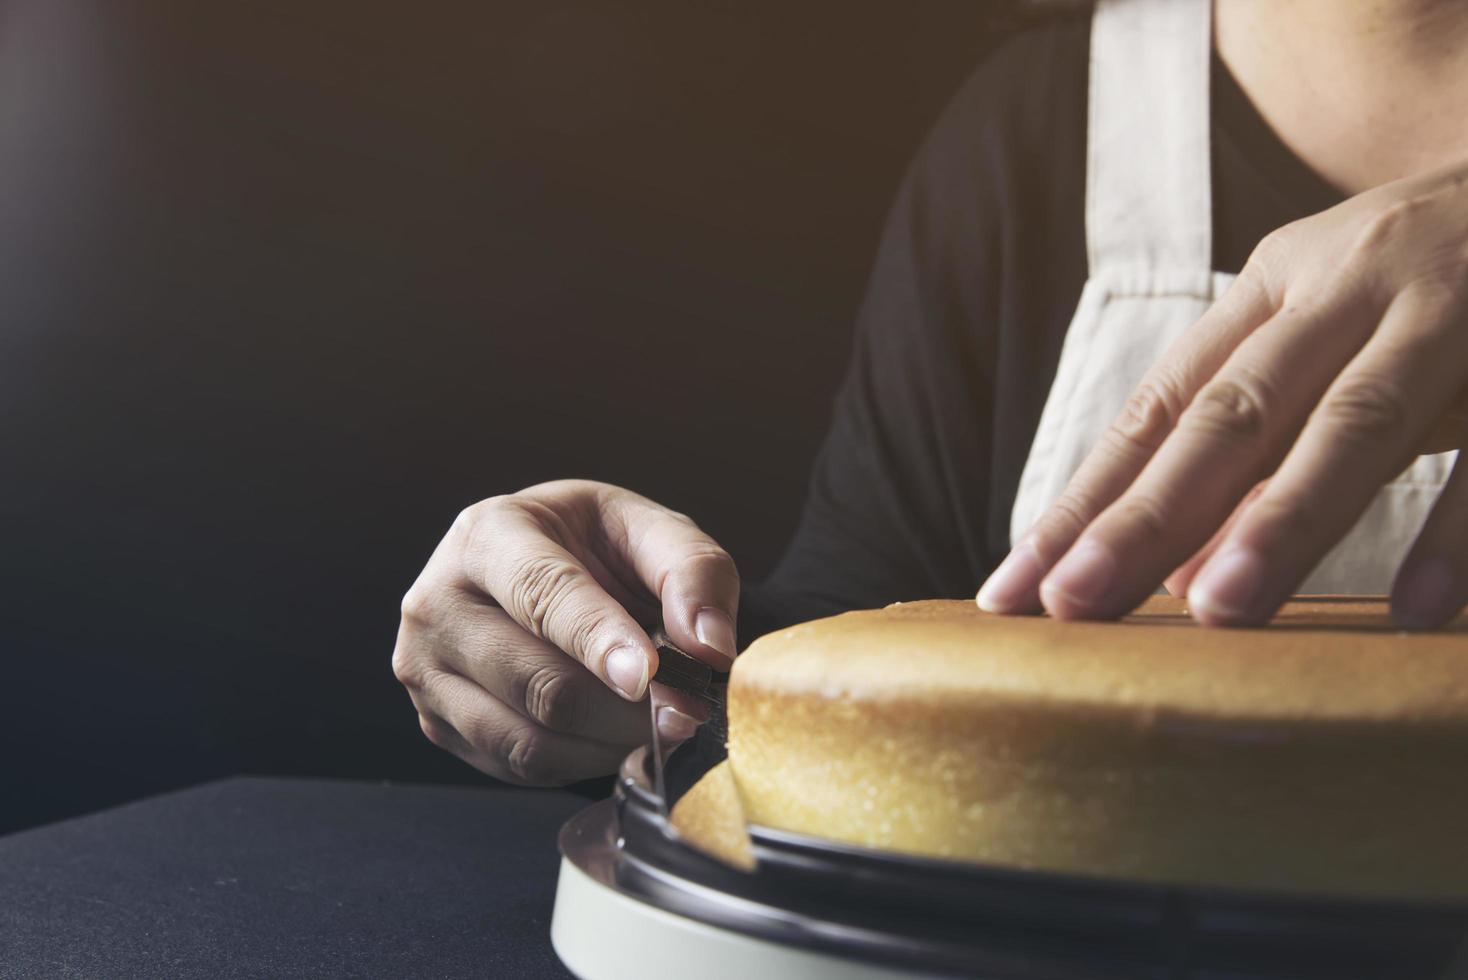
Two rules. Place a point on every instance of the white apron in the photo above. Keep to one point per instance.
(1149, 244)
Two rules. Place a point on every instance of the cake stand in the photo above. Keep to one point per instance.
(635, 901)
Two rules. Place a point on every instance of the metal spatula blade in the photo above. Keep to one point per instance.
(680, 671)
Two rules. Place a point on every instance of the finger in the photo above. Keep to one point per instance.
(513, 553)
(549, 688)
(440, 732)
(451, 629)
(1432, 584)
(1177, 583)
(500, 742)
(1363, 433)
(693, 577)
(678, 714)
(1149, 417)
(1230, 436)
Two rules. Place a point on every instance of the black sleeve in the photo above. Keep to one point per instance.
(897, 500)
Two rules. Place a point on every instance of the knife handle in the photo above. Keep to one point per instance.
(682, 672)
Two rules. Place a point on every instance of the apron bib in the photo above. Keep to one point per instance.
(1149, 244)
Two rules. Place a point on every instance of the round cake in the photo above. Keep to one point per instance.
(1326, 753)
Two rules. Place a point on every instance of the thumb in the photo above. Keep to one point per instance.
(687, 570)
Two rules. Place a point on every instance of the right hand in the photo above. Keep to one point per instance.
(520, 642)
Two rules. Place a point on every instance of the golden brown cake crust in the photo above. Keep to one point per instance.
(1323, 753)
(709, 817)
(1323, 658)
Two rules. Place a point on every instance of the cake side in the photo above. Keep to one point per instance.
(941, 731)
(710, 818)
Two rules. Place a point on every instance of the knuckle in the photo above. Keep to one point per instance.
(541, 584)
(1385, 225)
(678, 517)
(478, 728)
(463, 534)
(551, 698)
(405, 666)
(1271, 255)
(544, 515)
(466, 519)
(710, 556)
(432, 730)
(1439, 294)
(469, 521)
(469, 516)
(528, 757)
(1061, 524)
(1069, 515)
(1148, 416)
(1144, 515)
(1231, 408)
(578, 626)
(1369, 410)
(417, 607)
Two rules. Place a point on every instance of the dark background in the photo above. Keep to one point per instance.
(285, 285)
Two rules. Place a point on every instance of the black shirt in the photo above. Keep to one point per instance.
(978, 273)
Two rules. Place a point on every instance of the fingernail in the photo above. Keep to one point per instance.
(1229, 586)
(714, 629)
(1426, 596)
(674, 725)
(1084, 578)
(1012, 587)
(627, 670)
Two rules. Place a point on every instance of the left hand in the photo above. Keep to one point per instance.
(1253, 445)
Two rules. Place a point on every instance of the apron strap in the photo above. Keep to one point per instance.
(1149, 199)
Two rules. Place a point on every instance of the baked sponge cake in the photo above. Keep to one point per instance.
(1325, 753)
(710, 817)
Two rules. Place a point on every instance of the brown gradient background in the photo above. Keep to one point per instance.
(284, 285)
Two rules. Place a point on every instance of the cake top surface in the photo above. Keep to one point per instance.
(1321, 659)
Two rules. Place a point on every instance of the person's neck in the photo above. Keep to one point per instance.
(1364, 92)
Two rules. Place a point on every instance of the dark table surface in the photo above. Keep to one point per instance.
(254, 877)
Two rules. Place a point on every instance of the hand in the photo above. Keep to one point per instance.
(1254, 444)
(519, 645)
